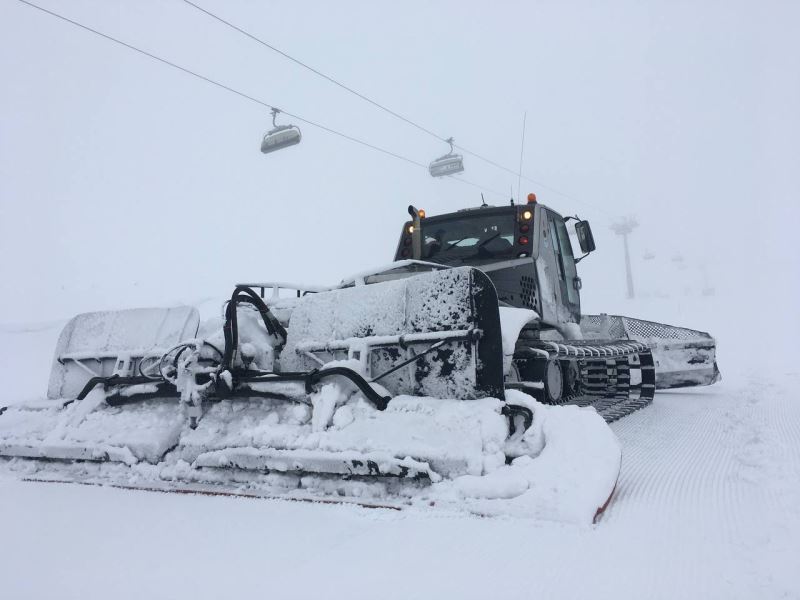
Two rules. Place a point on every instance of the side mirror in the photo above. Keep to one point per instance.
(585, 237)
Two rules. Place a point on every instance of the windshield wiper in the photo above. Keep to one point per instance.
(486, 241)
(452, 245)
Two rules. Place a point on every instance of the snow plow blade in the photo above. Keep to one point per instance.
(366, 393)
(104, 343)
(683, 357)
(136, 385)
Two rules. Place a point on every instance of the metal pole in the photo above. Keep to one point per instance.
(628, 272)
(624, 228)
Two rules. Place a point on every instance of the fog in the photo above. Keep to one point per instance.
(124, 182)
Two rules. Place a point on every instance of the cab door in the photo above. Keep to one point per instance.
(559, 283)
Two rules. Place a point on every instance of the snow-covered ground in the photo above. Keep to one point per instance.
(707, 506)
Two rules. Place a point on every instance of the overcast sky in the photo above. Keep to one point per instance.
(124, 182)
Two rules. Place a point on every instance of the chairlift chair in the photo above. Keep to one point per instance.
(449, 164)
(280, 136)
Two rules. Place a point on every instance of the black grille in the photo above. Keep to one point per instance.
(528, 286)
(616, 327)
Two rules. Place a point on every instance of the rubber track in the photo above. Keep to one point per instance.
(605, 373)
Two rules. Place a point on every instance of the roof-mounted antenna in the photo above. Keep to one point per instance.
(512, 195)
(483, 201)
(521, 150)
(280, 136)
(449, 164)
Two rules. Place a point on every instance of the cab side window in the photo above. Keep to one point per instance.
(556, 247)
(564, 256)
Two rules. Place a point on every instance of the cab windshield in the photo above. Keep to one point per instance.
(468, 239)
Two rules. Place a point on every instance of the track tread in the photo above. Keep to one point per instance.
(605, 377)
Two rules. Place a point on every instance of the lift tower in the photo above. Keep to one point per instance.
(623, 228)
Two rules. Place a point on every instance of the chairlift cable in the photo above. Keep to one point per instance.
(313, 70)
(476, 185)
(222, 85)
(354, 139)
(144, 52)
(244, 95)
(393, 113)
(539, 183)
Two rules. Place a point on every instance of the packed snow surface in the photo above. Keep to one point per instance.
(707, 506)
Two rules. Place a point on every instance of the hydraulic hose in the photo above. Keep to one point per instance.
(231, 328)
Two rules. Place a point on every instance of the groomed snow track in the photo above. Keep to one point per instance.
(707, 507)
(711, 480)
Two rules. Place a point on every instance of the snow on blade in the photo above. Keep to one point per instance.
(571, 478)
(567, 471)
(512, 320)
(144, 431)
(454, 437)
